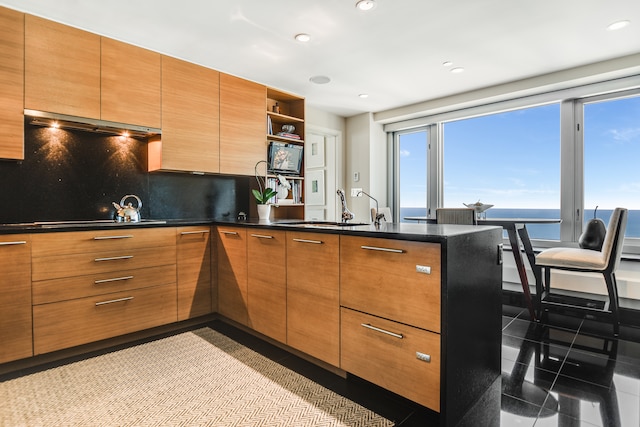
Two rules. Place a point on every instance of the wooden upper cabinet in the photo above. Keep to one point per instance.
(190, 119)
(11, 84)
(242, 125)
(130, 83)
(62, 69)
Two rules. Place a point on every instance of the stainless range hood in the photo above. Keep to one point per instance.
(42, 118)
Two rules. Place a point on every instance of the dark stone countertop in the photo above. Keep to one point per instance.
(403, 231)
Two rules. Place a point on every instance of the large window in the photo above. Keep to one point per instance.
(612, 158)
(556, 155)
(510, 160)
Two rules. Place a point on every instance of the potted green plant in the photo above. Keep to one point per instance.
(263, 194)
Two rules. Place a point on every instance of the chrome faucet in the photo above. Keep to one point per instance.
(379, 216)
(346, 213)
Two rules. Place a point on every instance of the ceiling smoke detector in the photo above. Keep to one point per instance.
(320, 80)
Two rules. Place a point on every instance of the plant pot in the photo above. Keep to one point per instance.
(264, 212)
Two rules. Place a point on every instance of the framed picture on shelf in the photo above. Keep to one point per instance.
(314, 194)
(315, 151)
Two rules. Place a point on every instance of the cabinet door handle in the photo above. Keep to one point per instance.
(114, 258)
(194, 232)
(124, 236)
(376, 248)
(232, 233)
(115, 279)
(316, 242)
(111, 301)
(17, 242)
(262, 236)
(393, 334)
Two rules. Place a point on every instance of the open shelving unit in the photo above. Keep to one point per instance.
(286, 109)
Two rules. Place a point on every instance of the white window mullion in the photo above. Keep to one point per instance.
(571, 171)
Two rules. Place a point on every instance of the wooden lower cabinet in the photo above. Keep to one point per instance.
(267, 283)
(79, 321)
(93, 285)
(15, 297)
(397, 357)
(232, 273)
(369, 265)
(193, 254)
(313, 288)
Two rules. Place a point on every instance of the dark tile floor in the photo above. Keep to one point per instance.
(567, 372)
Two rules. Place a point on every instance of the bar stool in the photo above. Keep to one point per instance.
(605, 262)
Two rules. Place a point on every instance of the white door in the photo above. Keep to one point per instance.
(320, 176)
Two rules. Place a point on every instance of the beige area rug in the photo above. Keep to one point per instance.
(198, 378)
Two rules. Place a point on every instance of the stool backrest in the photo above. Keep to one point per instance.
(465, 216)
(613, 240)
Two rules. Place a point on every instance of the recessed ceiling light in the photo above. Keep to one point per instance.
(302, 37)
(457, 70)
(618, 25)
(447, 64)
(320, 80)
(366, 4)
(364, 95)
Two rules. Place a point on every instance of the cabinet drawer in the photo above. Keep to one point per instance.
(394, 362)
(79, 321)
(381, 277)
(58, 266)
(75, 242)
(47, 291)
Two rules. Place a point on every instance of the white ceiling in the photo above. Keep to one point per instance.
(394, 52)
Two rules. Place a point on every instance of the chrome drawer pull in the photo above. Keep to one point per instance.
(423, 356)
(393, 334)
(114, 258)
(124, 236)
(316, 242)
(261, 236)
(17, 242)
(113, 301)
(194, 232)
(375, 248)
(115, 279)
(232, 233)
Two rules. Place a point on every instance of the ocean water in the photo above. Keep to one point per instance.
(543, 231)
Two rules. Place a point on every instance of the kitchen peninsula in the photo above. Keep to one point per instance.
(413, 308)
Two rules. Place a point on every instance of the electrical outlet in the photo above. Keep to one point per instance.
(356, 192)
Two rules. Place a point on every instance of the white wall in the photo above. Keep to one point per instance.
(366, 154)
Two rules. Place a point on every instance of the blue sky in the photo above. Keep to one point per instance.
(512, 159)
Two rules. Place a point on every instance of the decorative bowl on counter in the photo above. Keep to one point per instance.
(478, 207)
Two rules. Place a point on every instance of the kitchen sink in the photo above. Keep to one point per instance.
(327, 223)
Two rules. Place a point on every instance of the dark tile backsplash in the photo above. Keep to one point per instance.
(75, 175)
